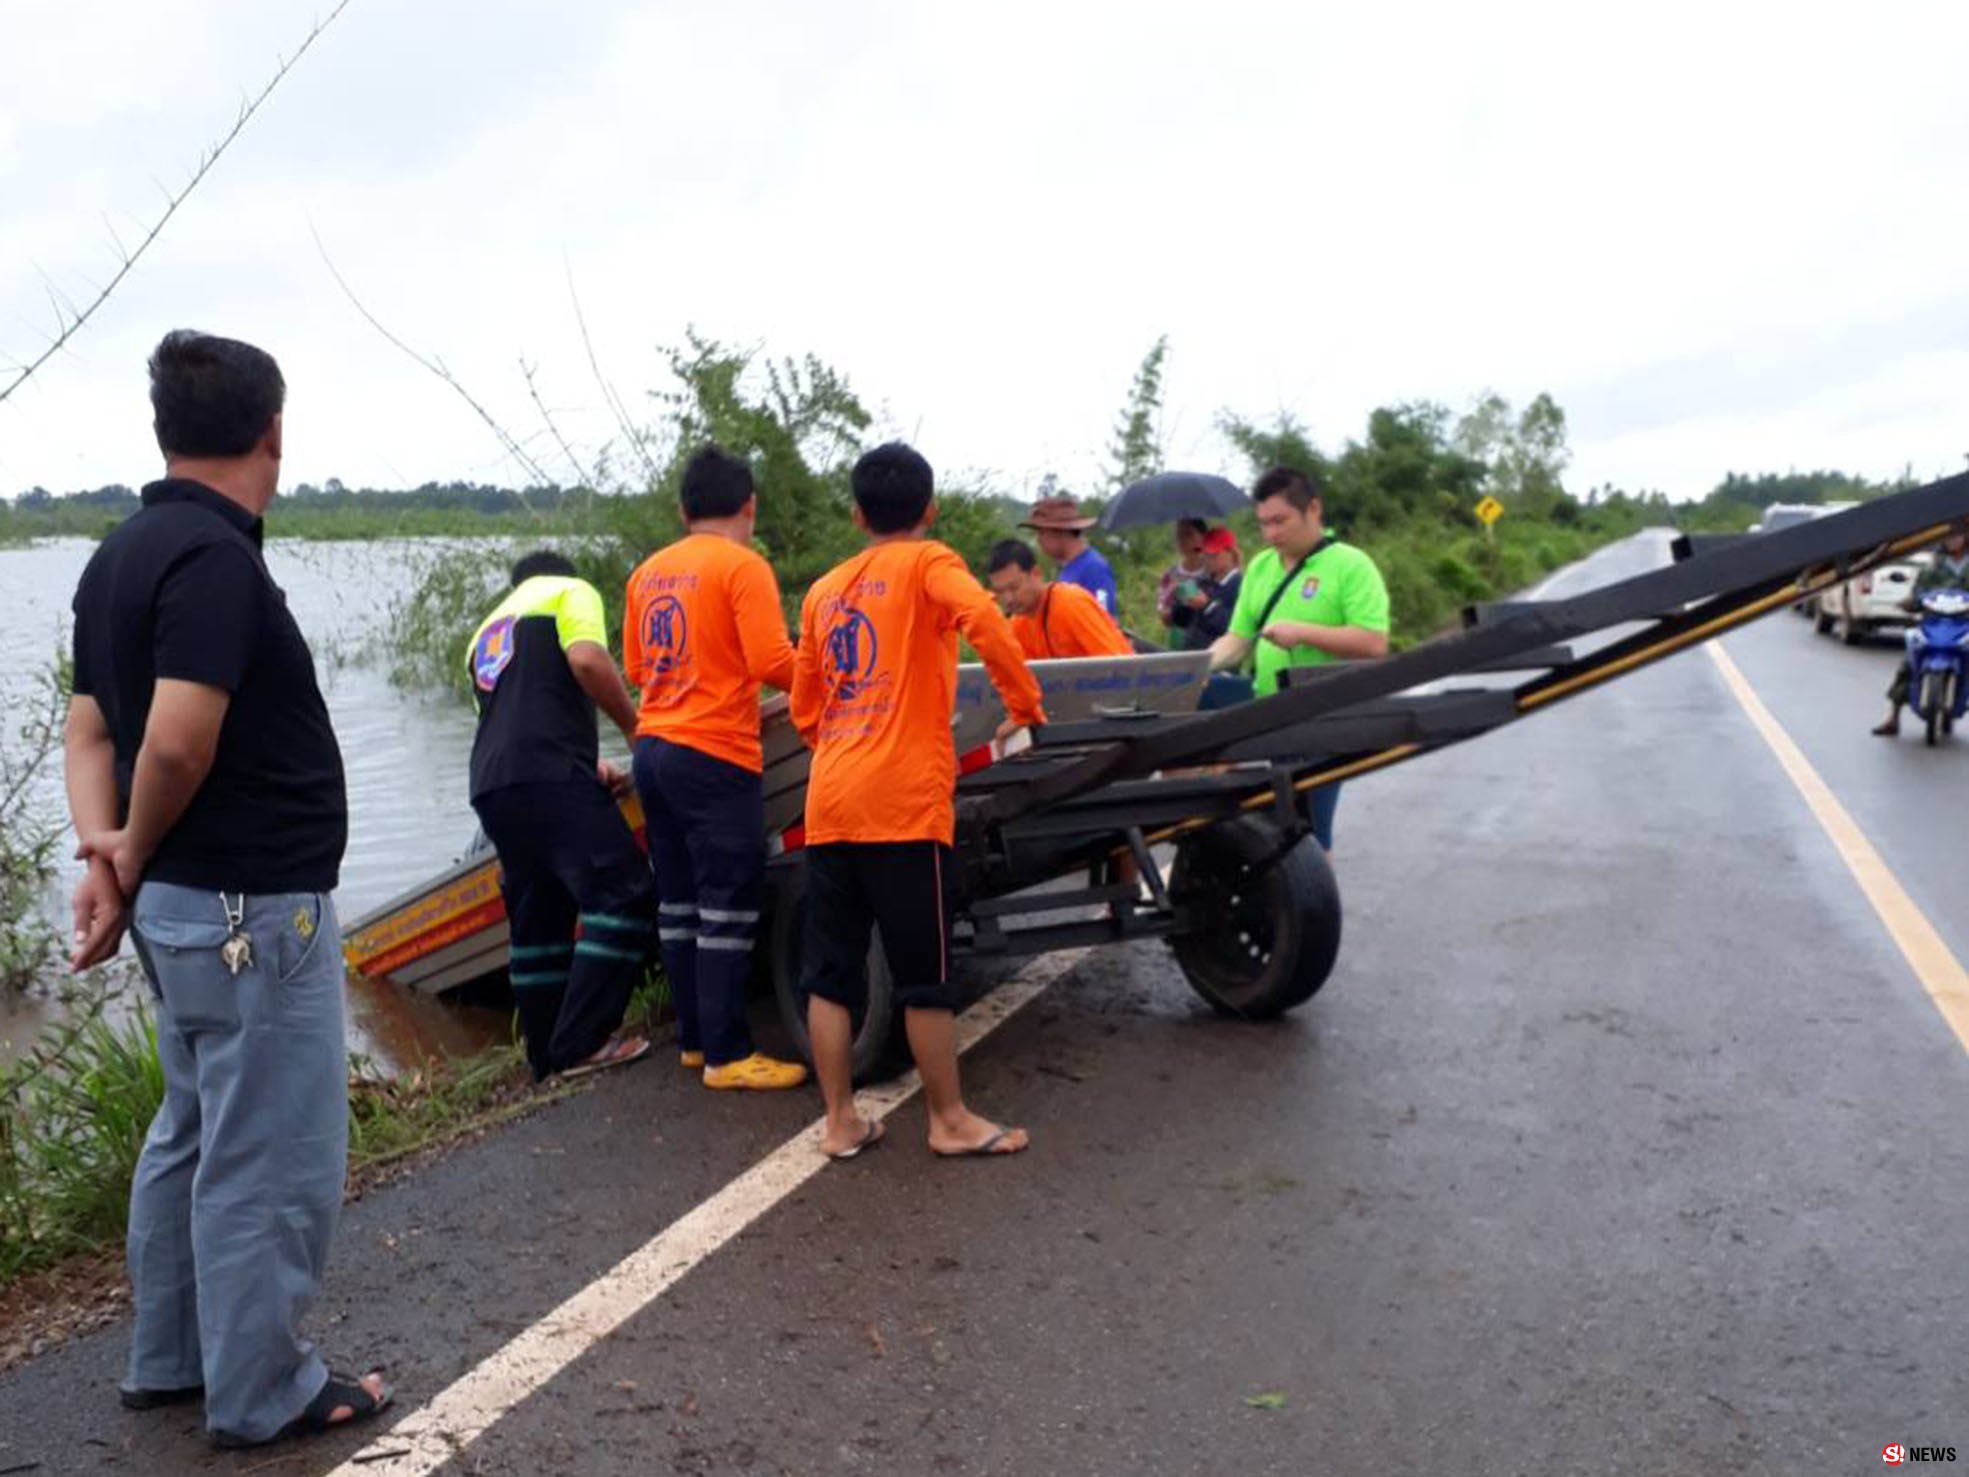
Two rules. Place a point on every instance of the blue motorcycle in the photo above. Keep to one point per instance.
(1938, 662)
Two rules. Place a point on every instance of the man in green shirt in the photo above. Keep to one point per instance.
(1307, 600)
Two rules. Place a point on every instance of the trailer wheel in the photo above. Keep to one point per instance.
(881, 1050)
(1267, 927)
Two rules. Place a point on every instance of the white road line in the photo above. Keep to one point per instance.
(436, 1432)
(1941, 974)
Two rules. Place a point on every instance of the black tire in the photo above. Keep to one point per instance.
(1850, 631)
(1936, 700)
(1821, 622)
(881, 1049)
(1266, 924)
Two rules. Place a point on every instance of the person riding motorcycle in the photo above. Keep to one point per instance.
(1949, 571)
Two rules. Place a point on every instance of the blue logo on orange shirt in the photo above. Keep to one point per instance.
(850, 653)
(666, 635)
(493, 653)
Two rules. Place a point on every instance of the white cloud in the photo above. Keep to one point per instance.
(1723, 236)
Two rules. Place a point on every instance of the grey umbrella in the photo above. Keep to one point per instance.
(1168, 496)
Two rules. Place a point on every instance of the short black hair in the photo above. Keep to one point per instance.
(211, 396)
(542, 561)
(1007, 552)
(1197, 526)
(716, 484)
(893, 487)
(1299, 488)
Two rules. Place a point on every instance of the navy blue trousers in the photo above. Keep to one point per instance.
(582, 908)
(707, 842)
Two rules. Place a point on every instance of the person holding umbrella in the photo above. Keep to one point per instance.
(1060, 530)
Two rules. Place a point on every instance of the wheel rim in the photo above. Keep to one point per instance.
(1241, 934)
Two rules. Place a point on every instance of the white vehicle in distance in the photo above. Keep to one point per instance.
(1870, 603)
(1789, 515)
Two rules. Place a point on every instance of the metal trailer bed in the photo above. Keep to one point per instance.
(1249, 906)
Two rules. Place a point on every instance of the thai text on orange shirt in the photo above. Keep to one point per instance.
(702, 632)
(876, 684)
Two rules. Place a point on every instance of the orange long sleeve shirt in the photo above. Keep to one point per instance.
(1069, 622)
(702, 632)
(876, 684)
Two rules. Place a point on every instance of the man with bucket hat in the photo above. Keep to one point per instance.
(1060, 530)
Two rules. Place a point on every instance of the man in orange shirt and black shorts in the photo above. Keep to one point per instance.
(1050, 618)
(873, 692)
(703, 630)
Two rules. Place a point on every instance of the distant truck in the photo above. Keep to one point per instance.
(1789, 515)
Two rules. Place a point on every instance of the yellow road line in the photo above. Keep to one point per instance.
(1940, 972)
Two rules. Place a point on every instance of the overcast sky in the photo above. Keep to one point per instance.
(1722, 236)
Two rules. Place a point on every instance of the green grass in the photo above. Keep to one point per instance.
(75, 1109)
(73, 1115)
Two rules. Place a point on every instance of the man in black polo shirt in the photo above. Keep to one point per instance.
(206, 786)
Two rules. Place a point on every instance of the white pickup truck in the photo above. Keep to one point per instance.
(1869, 603)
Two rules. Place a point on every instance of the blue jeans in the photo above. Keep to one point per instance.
(240, 1180)
(707, 841)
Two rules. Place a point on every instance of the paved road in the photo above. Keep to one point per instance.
(1623, 1140)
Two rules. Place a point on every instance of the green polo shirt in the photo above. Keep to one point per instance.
(1339, 586)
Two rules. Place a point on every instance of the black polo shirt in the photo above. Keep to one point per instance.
(180, 590)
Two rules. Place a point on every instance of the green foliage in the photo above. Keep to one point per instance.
(73, 1115)
(75, 1109)
(391, 1117)
(1407, 493)
(445, 591)
(29, 832)
(800, 425)
(1136, 451)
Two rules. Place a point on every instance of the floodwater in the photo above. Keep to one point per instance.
(405, 755)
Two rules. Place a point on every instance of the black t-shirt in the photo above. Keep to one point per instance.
(180, 591)
(536, 725)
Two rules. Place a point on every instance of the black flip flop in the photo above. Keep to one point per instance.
(868, 1140)
(987, 1150)
(158, 1399)
(341, 1390)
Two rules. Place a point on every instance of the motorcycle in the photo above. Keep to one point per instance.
(1938, 662)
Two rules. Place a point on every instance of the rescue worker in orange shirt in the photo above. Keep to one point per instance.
(1049, 618)
(873, 692)
(703, 631)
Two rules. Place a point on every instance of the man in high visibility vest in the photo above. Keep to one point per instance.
(579, 896)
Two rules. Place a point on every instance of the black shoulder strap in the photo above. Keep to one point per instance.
(1286, 583)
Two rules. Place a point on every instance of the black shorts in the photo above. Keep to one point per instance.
(900, 887)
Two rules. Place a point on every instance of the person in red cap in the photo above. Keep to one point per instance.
(1060, 530)
(1202, 607)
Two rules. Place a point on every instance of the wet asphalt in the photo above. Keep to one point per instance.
(1622, 1140)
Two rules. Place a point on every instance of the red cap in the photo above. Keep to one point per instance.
(1220, 541)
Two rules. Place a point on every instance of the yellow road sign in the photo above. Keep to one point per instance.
(1490, 510)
